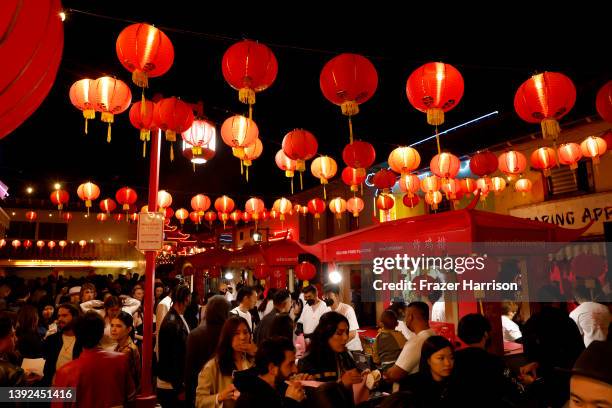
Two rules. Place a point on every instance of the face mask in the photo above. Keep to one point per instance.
(329, 302)
(310, 302)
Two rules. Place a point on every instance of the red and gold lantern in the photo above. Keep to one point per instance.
(173, 116)
(404, 160)
(80, 98)
(324, 168)
(593, 147)
(483, 163)
(523, 186)
(433, 198)
(102, 217)
(355, 205)
(142, 117)
(498, 184)
(359, 155)
(410, 201)
(445, 165)
(305, 271)
(88, 192)
(544, 159)
(384, 179)
(126, 196)
(283, 207)
(512, 163)
(181, 214)
(468, 185)
(111, 97)
(569, 154)
(210, 216)
(31, 216)
(410, 184)
(353, 178)
(108, 205)
(67, 216)
(200, 203)
(300, 145)
(337, 206)
(59, 198)
(164, 200)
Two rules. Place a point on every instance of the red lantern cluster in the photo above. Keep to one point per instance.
(173, 116)
(305, 271)
(300, 145)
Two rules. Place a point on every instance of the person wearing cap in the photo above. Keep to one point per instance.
(591, 381)
(75, 295)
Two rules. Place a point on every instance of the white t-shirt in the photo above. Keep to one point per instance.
(510, 329)
(401, 327)
(348, 312)
(438, 311)
(310, 317)
(592, 320)
(410, 356)
(246, 315)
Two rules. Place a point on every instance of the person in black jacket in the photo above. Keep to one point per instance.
(63, 345)
(282, 304)
(202, 342)
(268, 384)
(172, 351)
(29, 342)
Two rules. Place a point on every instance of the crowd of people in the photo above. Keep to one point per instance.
(249, 347)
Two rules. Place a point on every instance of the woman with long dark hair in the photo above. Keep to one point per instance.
(215, 382)
(29, 342)
(122, 331)
(266, 305)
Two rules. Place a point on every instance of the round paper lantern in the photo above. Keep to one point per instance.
(199, 135)
(264, 215)
(82, 243)
(544, 159)
(250, 153)
(523, 186)
(208, 152)
(142, 118)
(27, 244)
(133, 217)
(246, 217)
(126, 196)
(108, 205)
(468, 185)
(452, 189)
(62, 244)
(16, 243)
(249, 67)
(385, 202)
(210, 216)
(337, 206)
(238, 132)
(498, 184)
(31, 50)
(261, 272)
(603, 102)
(59, 198)
(67, 216)
(433, 198)
(254, 206)
(484, 184)
(119, 217)
(593, 147)
(88, 192)
(200, 203)
(286, 164)
(445, 165)
(173, 116)
(181, 214)
(430, 184)
(355, 205)
(79, 97)
(283, 207)
(224, 204)
(236, 216)
(483, 163)
(110, 97)
(195, 217)
(316, 207)
(300, 145)
(435, 88)
(164, 200)
(384, 179)
(359, 155)
(101, 217)
(404, 160)
(410, 184)
(168, 212)
(51, 244)
(40, 244)
(31, 216)
(410, 201)
(324, 168)
(274, 214)
(569, 154)
(545, 98)
(512, 163)
(305, 271)
(353, 178)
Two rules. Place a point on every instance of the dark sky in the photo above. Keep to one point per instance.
(495, 53)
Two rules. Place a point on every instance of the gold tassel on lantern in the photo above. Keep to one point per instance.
(88, 114)
(550, 129)
(350, 122)
(141, 79)
(143, 104)
(171, 152)
(108, 117)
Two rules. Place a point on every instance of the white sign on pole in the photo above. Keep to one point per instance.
(150, 232)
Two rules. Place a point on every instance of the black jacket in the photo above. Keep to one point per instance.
(263, 328)
(29, 344)
(52, 346)
(10, 374)
(255, 392)
(430, 393)
(172, 350)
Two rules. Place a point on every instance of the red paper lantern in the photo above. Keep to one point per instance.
(523, 186)
(168, 212)
(569, 154)
(512, 163)
(305, 271)
(545, 98)
(108, 205)
(433, 198)
(164, 199)
(359, 155)
(484, 184)
(254, 206)
(468, 185)
(264, 215)
(593, 147)
(385, 202)
(195, 217)
(353, 178)
(410, 201)
(261, 272)
(452, 189)
(145, 51)
(249, 67)
(283, 207)
(324, 168)
(483, 163)
(300, 145)
(119, 217)
(80, 98)
(27, 244)
(498, 185)
(355, 205)
(101, 217)
(246, 217)
(142, 117)
(250, 153)
(316, 207)
(236, 216)
(224, 204)
(181, 214)
(384, 179)
(41, 244)
(110, 97)
(173, 116)
(337, 206)
(210, 216)
(603, 103)
(239, 132)
(62, 244)
(67, 216)
(430, 184)
(126, 196)
(59, 198)
(82, 243)
(16, 243)
(404, 160)
(544, 159)
(435, 88)
(31, 216)
(31, 50)
(2, 243)
(51, 244)
(607, 137)
(88, 192)
(286, 164)
(410, 184)
(445, 165)
(200, 203)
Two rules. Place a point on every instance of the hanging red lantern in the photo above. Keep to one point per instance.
(300, 145)
(254, 206)
(452, 189)
(246, 217)
(250, 153)
(119, 217)
(445, 165)
(337, 206)
(483, 163)
(67, 216)
(168, 212)
(593, 147)
(40, 244)
(468, 185)
(353, 178)
(82, 243)
(200, 203)
(31, 216)
(261, 272)
(359, 155)
(404, 160)
(498, 184)
(384, 179)
(283, 207)
(430, 184)
(324, 168)
(304, 210)
(355, 205)
(249, 67)
(512, 163)
(385, 202)
(545, 98)
(238, 132)
(80, 98)
(142, 117)
(181, 214)
(51, 244)
(108, 205)
(195, 217)
(62, 244)
(410, 201)
(236, 216)
(544, 159)
(172, 116)
(305, 271)
(102, 217)
(286, 164)
(484, 184)
(27, 244)
(569, 154)
(126, 196)
(88, 192)
(16, 243)
(224, 204)
(348, 80)
(110, 97)
(316, 207)
(433, 198)
(523, 186)
(603, 103)
(264, 214)
(59, 198)
(164, 199)
(199, 135)
(210, 216)
(410, 184)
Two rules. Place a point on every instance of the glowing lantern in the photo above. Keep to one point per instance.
(512, 163)
(544, 159)
(80, 98)
(445, 165)
(430, 184)
(246, 217)
(274, 214)
(3, 243)
(210, 216)
(384, 179)
(484, 184)
(593, 147)
(224, 204)
(164, 200)
(545, 98)
(359, 155)
(569, 154)
(410, 184)
(31, 215)
(483, 163)
(67, 216)
(62, 244)
(353, 178)
(27, 244)
(283, 207)
(133, 217)
(41, 244)
(199, 135)
(168, 212)
(250, 153)
(498, 184)
(305, 271)
(433, 198)
(51, 244)
(119, 217)
(239, 132)
(200, 203)
(173, 116)
(316, 207)
(337, 206)
(404, 160)
(523, 186)
(59, 198)
(82, 243)
(452, 189)
(126, 196)
(102, 217)
(324, 168)
(304, 210)
(181, 214)
(468, 185)
(300, 145)
(208, 152)
(16, 243)
(355, 205)
(348, 80)
(410, 201)
(603, 102)
(142, 116)
(110, 97)
(385, 202)
(254, 207)
(88, 192)
(286, 164)
(236, 216)
(108, 205)
(264, 215)
(195, 217)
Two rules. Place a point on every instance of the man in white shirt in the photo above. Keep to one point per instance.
(399, 308)
(591, 318)
(332, 299)
(246, 297)
(417, 320)
(510, 329)
(313, 310)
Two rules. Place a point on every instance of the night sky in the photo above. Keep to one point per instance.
(494, 56)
